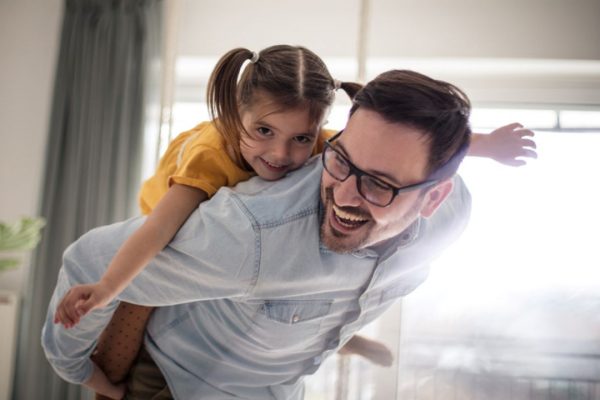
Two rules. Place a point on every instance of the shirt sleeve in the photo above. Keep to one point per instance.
(202, 167)
(212, 256)
(325, 135)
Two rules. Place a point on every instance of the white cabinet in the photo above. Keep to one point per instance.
(8, 323)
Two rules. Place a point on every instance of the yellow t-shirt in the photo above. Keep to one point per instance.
(198, 158)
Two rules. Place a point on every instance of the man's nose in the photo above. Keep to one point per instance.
(346, 193)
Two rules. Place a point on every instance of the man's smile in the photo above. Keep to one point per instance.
(344, 221)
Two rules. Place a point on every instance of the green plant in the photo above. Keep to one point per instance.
(18, 237)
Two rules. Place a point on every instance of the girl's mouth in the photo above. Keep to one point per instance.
(272, 166)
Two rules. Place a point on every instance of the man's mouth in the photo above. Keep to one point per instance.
(347, 220)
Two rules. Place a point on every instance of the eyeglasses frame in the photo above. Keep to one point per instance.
(359, 173)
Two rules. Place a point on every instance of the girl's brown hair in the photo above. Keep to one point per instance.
(291, 76)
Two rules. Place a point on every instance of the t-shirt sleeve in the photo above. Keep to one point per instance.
(202, 167)
(325, 135)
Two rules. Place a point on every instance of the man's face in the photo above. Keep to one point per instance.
(395, 153)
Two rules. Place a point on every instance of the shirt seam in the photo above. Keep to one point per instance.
(299, 215)
(257, 243)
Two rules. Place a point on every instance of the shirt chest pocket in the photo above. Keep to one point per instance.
(280, 324)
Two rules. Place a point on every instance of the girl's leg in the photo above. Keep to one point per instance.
(121, 341)
(146, 381)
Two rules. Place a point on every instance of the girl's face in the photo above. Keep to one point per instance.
(278, 141)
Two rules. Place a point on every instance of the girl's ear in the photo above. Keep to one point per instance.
(436, 196)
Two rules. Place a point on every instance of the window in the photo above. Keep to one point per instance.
(510, 311)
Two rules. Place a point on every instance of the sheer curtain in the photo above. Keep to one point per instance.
(108, 65)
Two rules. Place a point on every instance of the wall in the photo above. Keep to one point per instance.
(29, 40)
(498, 51)
(548, 29)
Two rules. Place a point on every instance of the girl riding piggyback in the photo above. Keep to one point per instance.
(268, 113)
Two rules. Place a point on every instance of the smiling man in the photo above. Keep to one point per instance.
(265, 280)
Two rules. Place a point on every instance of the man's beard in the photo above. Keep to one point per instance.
(334, 240)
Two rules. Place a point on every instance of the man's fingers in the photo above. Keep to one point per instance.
(525, 132)
(528, 143)
(513, 126)
(529, 153)
(513, 162)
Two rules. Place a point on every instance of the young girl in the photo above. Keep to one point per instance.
(267, 124)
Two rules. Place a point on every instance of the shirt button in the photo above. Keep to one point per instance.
(295, 318)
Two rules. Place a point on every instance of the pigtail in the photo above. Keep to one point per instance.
(351, 88)
(222, 97)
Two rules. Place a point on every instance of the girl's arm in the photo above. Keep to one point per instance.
(157, 231)
(504, 145)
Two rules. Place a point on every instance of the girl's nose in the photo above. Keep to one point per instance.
(281, 153)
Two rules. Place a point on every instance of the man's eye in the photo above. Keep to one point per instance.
(340, 160)
(304, 139)
(377, 185)
(264, 131)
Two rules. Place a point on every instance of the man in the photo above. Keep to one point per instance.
(267, 279)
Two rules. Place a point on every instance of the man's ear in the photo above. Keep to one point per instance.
(436, 196)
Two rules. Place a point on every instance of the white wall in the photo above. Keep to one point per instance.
(29, 40)
(548, 29)
(209, 28)
(498, 51)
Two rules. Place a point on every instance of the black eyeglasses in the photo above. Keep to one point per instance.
(371, 188)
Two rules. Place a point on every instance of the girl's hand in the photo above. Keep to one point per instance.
(506, 144)
(80, 300)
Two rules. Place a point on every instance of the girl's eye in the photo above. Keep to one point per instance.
(264, 131)
(303, 139)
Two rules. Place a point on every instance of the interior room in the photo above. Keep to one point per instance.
(508, 311)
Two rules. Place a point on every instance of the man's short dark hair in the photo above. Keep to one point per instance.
(438, 109)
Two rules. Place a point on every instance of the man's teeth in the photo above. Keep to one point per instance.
(346, 216)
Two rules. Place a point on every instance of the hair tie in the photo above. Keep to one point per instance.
(254, 58)
(337, 84)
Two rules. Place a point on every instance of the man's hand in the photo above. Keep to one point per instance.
(80, 300)
(376, 352)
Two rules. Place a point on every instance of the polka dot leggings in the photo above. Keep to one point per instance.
(121, 342)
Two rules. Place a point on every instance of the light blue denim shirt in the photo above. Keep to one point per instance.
(255, 301)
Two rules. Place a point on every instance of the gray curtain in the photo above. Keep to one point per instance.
(109, 53)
